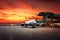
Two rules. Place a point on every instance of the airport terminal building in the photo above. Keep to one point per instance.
(54, 20)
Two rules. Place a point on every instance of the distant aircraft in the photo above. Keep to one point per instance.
(30, 21)
(33, 23)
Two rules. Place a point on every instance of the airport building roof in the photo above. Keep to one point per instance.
(56, 16)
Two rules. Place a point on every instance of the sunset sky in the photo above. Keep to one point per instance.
(15, 11)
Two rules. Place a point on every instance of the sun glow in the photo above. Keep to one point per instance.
(18, 14)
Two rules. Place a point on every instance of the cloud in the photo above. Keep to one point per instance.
(15, 11)
(12, 9)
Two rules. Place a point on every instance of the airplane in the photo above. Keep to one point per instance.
(33, 23)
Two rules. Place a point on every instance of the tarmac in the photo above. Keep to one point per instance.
(19, 33)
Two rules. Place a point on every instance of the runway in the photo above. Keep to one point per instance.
(18, 33)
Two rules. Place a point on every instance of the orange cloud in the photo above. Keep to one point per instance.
(22, 12)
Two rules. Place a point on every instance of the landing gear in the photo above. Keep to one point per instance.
(25, 25)
(33, 26)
